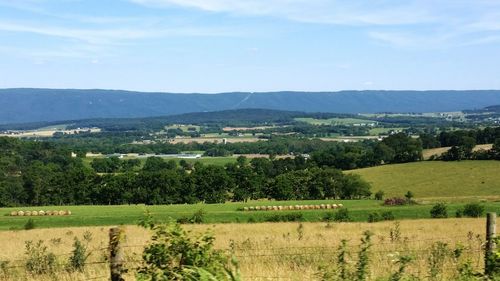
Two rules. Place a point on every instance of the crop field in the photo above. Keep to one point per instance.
(271, 251)
(436, 179)
(427, 153)
(335, 121)
(214, 213)
(385, 131)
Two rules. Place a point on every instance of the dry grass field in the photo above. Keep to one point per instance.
(427, 153)
(272, 251)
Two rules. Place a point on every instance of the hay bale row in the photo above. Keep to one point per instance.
(294, 207)
(40, 213)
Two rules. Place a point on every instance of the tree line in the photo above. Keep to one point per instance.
(42, 173)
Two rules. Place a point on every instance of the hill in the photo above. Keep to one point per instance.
(436, 179)
(34, 105)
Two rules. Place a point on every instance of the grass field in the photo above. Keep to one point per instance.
(205, 160)
(427, 153)
(269, 251)
(384, 131)
(335, 121)
(214, 213)
(436, 179)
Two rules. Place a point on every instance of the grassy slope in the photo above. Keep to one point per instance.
(215, 213)
(435, 179)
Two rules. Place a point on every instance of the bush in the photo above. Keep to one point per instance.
(39, 260)
(197, 218)
(78, 256)
(388, 216)
(395, 201)
(341, 215)
(379, 195)
(384, 216)
(175, 254)
(374, 217)
(474, 210)
(285, 217)
(30, 224)
(459, 213)
(439, 211)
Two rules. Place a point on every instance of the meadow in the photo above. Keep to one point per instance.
(214, 213)
(437, 180)
(274, 251)
(335, 121)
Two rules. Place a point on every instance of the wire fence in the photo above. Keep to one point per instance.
(419, 249)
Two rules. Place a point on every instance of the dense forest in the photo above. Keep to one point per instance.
(44, 173)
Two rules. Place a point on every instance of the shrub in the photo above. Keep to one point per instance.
(78, 256)
(474, 210)
(30, 224)
(197, 218)
(388, 216)
(174, 254)
(285, 217)
(459, 213)
(395, 201)
(379, 195)
(39, 260)
(341, 215)
(374, 217)
(439, 211)
(384, 216)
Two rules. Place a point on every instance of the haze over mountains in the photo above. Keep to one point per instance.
(33, 105)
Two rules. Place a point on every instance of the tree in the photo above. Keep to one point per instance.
(406, 148)
(409, 196)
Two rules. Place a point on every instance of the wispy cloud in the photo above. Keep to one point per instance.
(396, 22)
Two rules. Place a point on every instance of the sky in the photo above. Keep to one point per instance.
(214, 46)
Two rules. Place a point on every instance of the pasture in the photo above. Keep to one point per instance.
(272, 251)
(436, 180)
(337, 121)
(230, 212)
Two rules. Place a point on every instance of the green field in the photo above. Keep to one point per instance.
(437, 179)
(335, 121)
(214, 213)
(205, 160)
(384, 131)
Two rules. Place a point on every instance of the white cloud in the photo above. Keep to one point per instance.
(402, 23)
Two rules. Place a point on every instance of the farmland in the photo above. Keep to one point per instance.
(337, 121)
(214, 213)
(436, 179)
(269, 251)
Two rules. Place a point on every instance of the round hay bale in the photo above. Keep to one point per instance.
(323, 206)
(286, 207)
(252, 208)
(68, 212)
(280, 208)
(304, 207)
(13, 213)
(34, 213)
(328, 206)
(291, 207)
(275, 208)
(27, 213)
(269, 208)
(257, 208)
(297, 207)
(55, 213)
(48, 213)
(340, 205)
(41, 213)
(317, 207)
(334, 206)
(20, 213)
(245, 209)
(62, 213)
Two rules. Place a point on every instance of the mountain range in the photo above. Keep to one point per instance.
(22, 105)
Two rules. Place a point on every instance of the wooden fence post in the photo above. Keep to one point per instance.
(116, 254)
(491, 228)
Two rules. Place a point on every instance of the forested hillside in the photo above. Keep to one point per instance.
(30, 105)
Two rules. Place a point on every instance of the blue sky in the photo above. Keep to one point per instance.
(250, 45)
